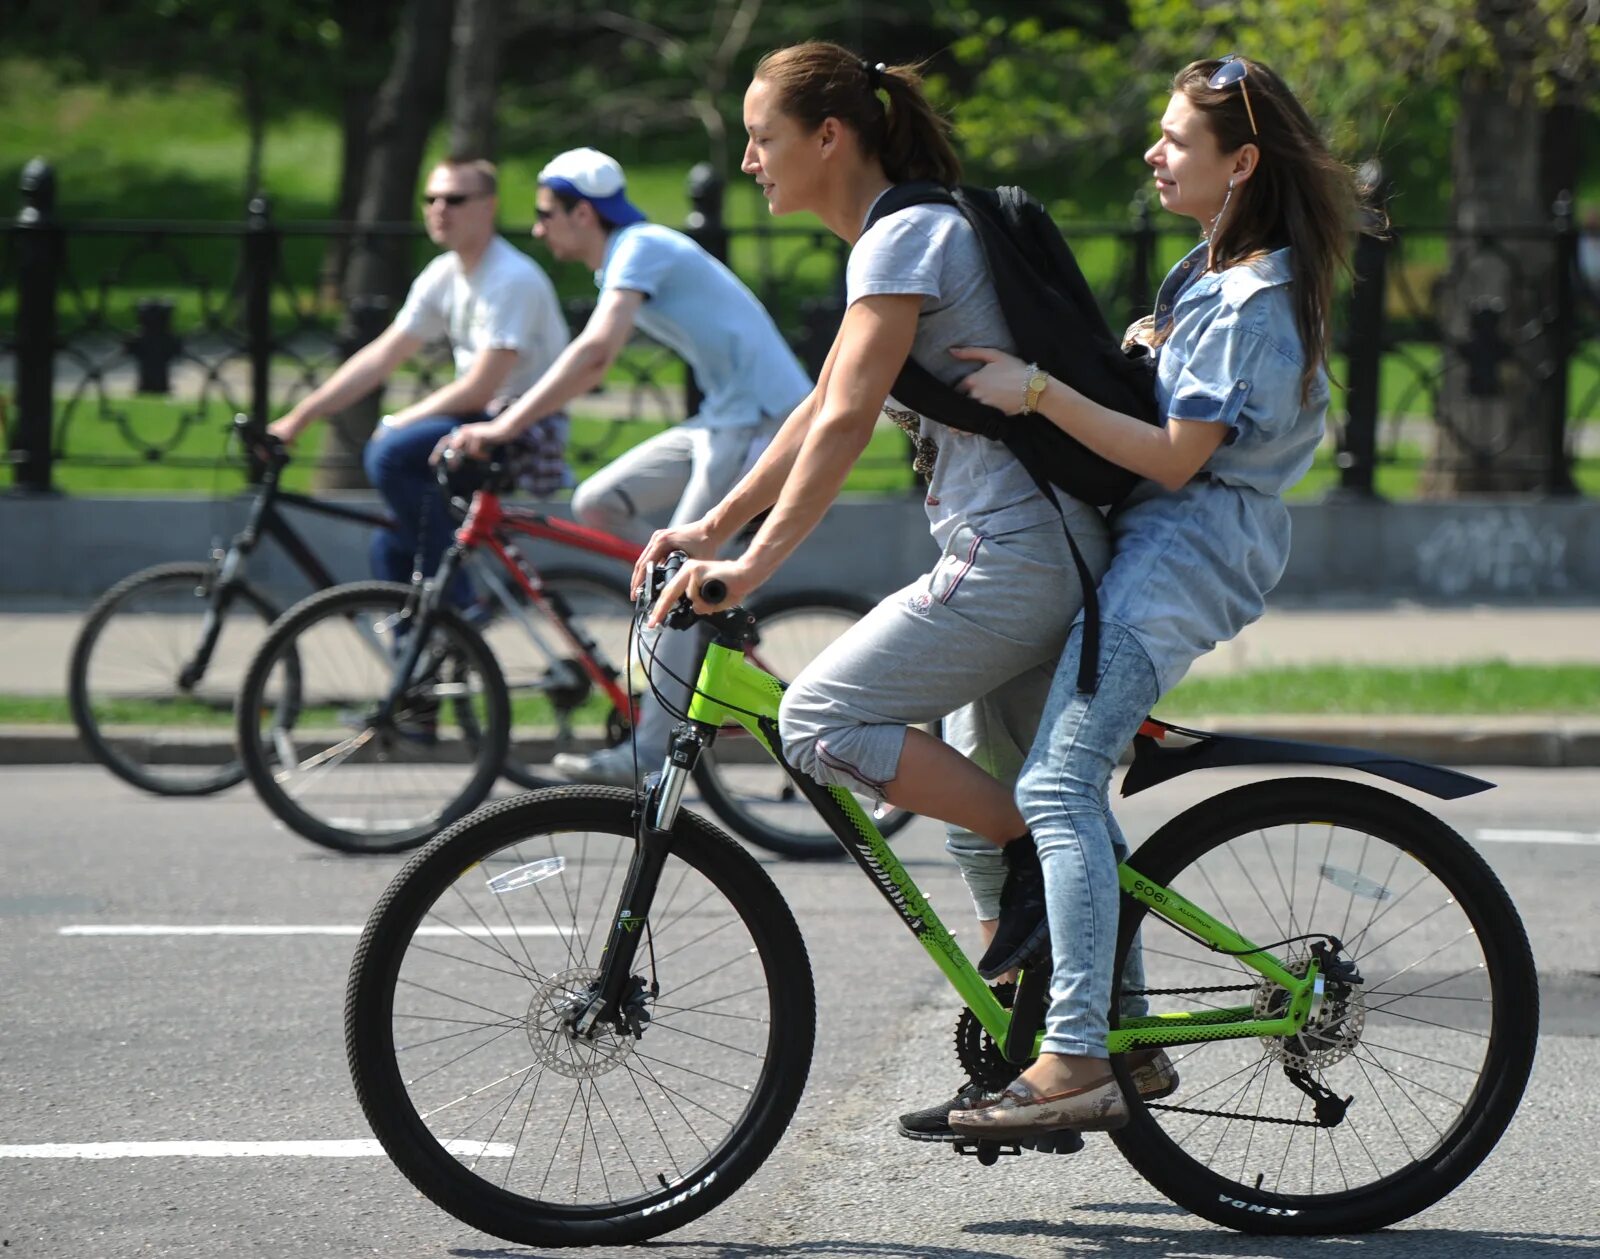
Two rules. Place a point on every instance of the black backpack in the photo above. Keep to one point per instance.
(1055, 322)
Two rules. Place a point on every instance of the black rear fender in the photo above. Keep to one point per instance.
(1158, 757)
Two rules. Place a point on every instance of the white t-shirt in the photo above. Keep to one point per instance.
(506, 303)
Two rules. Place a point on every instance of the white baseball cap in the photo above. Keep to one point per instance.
(598, 179)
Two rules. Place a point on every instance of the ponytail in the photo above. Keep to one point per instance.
(884, 105)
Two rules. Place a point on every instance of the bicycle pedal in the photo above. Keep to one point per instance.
(987, 1153)
(1062, 1141)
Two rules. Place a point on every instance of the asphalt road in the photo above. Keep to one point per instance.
(237, 1039)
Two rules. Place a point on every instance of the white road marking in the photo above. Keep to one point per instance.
(1495, 835)
(229, 929)
(239, 1149)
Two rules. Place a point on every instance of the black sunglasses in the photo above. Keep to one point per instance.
(1233, 70)
(450, 198)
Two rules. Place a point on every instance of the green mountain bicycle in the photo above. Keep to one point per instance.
(585, 1017)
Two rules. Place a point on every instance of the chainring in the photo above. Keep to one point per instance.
(980, 1057)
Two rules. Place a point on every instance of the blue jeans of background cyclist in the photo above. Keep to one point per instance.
(1062, 794)
(396, 460)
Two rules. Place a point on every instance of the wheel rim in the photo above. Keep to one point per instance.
(142, 717)
(479, 1028)
(330, 756)
(1411, 1046)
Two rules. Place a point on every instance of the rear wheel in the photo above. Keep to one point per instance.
(331, 765)
(138, 713)
(1433, 1047)
(460, 1010)
(740, 783)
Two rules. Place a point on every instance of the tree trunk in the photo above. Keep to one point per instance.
(408, 105)
(474, 76)
(368, 31)
(1491, 434)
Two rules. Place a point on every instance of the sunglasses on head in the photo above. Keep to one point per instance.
(1233, 70)
(449, 198)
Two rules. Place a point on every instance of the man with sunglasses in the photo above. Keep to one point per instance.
(661, 282)
(498, 309)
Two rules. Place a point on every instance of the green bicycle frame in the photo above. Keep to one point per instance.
(731, 689)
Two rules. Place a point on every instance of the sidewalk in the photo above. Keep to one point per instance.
(34, 647)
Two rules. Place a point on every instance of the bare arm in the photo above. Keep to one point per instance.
(1169, 455)
(874, 340)
(577, 370)
(355, 378)
(760, 487)
(464, 395)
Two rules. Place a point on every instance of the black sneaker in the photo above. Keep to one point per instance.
(933, 1122)
(1023, 930)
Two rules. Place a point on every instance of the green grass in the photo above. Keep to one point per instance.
(1487, 688)
(201, 461)
(527, 712)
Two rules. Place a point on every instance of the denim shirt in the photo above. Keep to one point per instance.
(1192, 567)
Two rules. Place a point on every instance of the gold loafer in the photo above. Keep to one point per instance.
(1022, 1111)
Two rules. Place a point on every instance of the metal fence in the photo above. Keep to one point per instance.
(119, 339)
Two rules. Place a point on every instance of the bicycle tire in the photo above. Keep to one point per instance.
(402, 760)
(757, 800)
(1373, 845)
(602, 607)
(434, 998)
(160, 760)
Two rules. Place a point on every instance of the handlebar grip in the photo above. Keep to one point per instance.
(713, 590)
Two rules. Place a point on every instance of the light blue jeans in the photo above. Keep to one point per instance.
(1062, 794)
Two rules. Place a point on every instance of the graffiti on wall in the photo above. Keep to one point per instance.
(1495, 551)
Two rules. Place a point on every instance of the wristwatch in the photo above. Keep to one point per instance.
(1038, 378)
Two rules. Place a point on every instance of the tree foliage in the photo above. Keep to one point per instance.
(1061, 97)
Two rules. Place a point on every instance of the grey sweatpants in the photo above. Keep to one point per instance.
(975, 642)
(672, 478)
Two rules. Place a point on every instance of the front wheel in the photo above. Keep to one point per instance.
(323, 753)
(462, 999)
(1432, 1048)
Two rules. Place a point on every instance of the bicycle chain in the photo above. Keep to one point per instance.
(1230, 1114)
(1198, 1110)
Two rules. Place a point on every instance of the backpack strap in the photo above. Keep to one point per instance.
(923, 392)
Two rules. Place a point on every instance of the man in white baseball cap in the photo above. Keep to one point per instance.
(590, 175)
(663, 283)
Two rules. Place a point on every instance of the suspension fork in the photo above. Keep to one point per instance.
(656, 814)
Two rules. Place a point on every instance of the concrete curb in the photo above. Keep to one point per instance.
(1533, 742)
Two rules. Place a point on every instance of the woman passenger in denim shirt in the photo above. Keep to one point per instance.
(1241, 330)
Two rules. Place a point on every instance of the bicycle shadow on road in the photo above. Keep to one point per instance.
(1116, 1239)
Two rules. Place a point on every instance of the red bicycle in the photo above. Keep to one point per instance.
(374, 714)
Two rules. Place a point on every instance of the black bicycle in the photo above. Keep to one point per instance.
(160, 656)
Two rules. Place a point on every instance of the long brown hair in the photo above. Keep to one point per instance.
(1299, 194)
(817, 80)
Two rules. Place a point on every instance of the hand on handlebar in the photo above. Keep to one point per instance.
(693, 539)
(690, 580)
(285, 429)
(474, 441)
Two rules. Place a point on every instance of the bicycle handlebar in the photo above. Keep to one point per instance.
(260, 443)
(712, 590)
